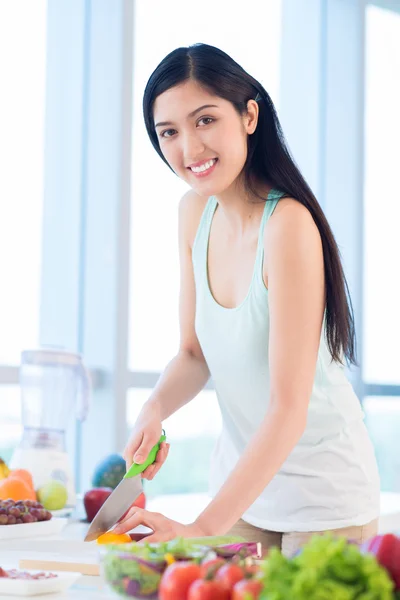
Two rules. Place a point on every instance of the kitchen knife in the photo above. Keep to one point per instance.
(122, 497)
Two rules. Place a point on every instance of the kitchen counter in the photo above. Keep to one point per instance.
(70, 541)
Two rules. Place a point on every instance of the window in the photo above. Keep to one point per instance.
(10, 419)
(381, 327)
(22, 65)
(382, 417)
(382, 208)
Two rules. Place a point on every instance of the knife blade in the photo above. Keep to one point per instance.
(122, 497)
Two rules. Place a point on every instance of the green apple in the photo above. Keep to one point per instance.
(53, 495)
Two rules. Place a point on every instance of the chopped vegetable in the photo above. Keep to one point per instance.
(114, 538)
(131, 576)
(181, 548)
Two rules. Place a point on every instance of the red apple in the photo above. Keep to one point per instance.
(140, 502)
(94, 499)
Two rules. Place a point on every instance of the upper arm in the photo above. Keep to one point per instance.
(190, 210)
(296, 287)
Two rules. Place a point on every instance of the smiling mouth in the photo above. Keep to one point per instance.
(205, 167)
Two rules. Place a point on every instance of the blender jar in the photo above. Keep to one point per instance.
(54, 386)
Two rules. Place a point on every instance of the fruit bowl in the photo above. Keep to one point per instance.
(127, 575)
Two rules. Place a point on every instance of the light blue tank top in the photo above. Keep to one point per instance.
(330, 479)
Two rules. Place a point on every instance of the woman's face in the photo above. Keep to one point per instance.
(202, 136)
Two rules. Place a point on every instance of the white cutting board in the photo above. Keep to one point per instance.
(61, 555)
(70, 565)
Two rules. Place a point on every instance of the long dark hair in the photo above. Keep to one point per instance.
(268, 160)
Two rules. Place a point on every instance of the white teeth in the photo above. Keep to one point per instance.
(204, 167)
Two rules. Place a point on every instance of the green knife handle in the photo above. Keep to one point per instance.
(136, 469)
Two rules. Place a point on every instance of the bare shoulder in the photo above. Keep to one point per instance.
(191, 207)
(292, 240)
(292, 223)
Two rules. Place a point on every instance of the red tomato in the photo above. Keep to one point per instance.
(203, 589)
(211, 566)
(247, 589)
(177, 579)
(228, 575)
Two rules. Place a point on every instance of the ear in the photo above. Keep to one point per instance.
(251, 117)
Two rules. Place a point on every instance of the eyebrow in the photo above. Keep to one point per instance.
(190, 115)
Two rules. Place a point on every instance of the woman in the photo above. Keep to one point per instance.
(264, 310)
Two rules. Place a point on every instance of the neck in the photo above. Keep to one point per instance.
(239, 208)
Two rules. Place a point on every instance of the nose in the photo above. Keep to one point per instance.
(192, 147)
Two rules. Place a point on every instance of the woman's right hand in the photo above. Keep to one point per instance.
(145, 434)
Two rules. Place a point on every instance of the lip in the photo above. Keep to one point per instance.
(203, 173)
(201, 162)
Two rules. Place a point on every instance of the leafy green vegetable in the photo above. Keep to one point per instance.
(155, 552)
(179, 547)
(328, 568)
(118, 571)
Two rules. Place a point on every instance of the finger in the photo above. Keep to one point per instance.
(165, 454)
(161, 458)
(159, 465)
(138, 517)
(130, 521)
(131, 449)
(144, 449)
(148, 472)
(153, 471)
(163, 448)
(127, 514)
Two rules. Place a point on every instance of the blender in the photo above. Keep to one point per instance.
(54, 386)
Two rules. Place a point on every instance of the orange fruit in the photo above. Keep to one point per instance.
(16, 488)
(23, 474)
(114, 538)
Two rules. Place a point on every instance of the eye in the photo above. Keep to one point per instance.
(209, 119)
(167, 133)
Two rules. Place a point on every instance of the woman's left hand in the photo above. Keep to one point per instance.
(164, 529)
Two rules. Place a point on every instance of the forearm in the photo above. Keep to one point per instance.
(183, 378)
(262, 459)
